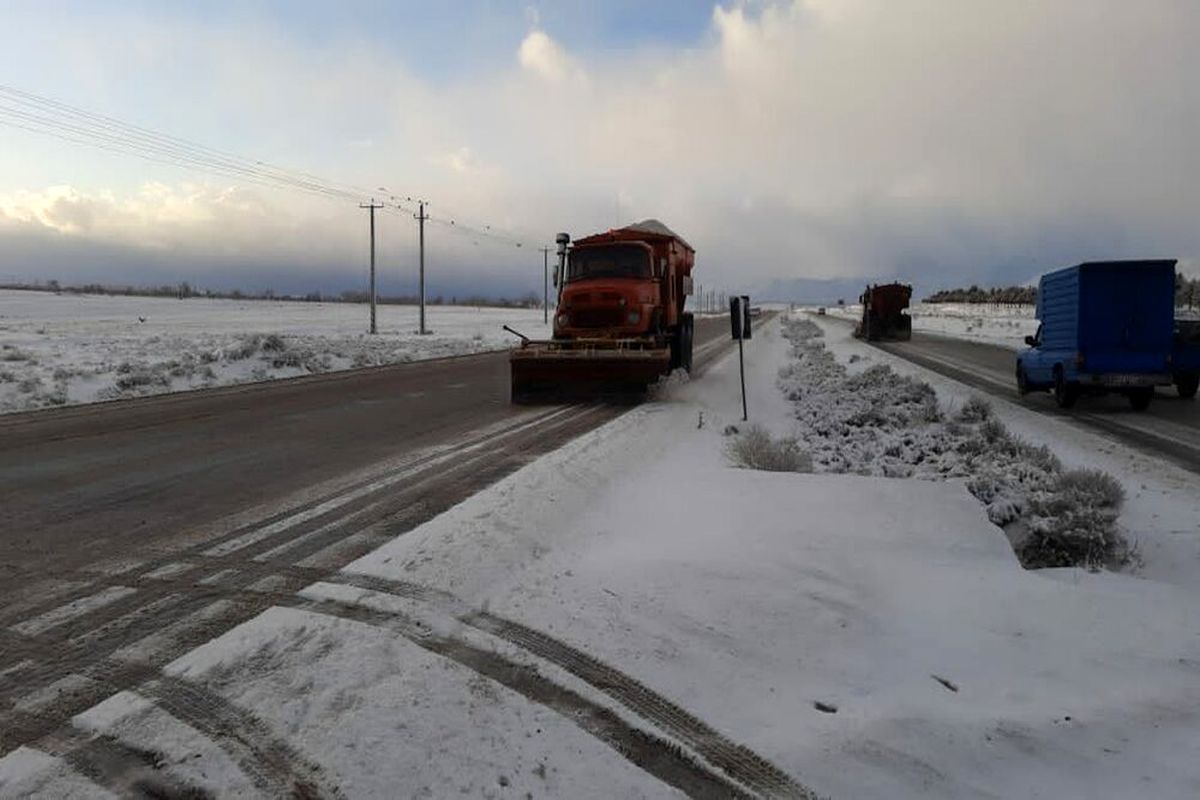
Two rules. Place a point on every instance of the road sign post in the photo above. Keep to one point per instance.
(739, 324)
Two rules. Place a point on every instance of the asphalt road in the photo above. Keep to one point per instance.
(1169, 429)
(135, 530)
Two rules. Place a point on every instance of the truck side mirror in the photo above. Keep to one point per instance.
(1031, 341)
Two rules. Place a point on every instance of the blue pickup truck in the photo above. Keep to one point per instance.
(1106, 326)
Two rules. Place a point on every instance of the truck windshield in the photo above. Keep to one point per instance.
(614, 261)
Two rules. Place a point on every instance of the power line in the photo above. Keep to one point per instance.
(51, 116)
(42, 115)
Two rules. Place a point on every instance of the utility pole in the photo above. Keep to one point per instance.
(371, 207)
(545, 285)
(421, 217)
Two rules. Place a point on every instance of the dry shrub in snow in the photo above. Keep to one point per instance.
(975, 410)
(1074, 522)
(881, 423)
(755, 449)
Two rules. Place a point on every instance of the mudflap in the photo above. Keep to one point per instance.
(554, 375)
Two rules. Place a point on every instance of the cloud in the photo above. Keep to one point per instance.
(940, 142)
(544, 57)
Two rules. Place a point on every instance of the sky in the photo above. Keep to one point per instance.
(941, 142)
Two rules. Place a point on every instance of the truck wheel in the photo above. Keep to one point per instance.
(1022, 381)
(1140, 398)
(1186, 385)
(689, 337)
(676, 339)
(1065, 394)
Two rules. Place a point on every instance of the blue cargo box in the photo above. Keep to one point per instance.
(1106, 326)
(1109, 317)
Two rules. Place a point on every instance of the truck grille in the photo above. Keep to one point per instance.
(596, 317)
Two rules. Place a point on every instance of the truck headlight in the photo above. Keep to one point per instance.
(563, 319)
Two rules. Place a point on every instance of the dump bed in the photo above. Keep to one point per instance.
(1117, 314)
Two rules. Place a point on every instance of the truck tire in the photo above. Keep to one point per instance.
(1065, 394)
(1022, 381)
(1186, 385)
(688, 335)
(1140, 398)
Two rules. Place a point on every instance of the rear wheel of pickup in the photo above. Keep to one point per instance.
(1186, 385)
(1065, 394)
(1022, 381)
(1140, 398)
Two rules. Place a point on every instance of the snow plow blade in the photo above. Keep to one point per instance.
(545, 372)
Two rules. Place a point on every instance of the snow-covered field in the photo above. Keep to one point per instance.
(66, 349)
(871, 636)
(1003, 325)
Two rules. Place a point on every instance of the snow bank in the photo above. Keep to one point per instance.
(1162, 506)
(66, 349)
(875, 421)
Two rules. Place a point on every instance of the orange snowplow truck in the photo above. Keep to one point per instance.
(620, 322)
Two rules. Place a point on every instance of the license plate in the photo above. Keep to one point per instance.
(1127, 380)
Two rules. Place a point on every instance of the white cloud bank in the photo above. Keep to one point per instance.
(941, 141)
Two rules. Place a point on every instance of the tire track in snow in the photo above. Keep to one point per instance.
(78, 652)
(300, 513)
(73, 666)
(272, 764)
(737, 761)
(121, 769)
(658, 757)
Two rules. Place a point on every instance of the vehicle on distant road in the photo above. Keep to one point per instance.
(1106, 326)
(883, 314)
(620, 323)
(821, 311)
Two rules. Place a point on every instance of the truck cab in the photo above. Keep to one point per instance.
(610, 290)
(1105, 327)
(629, 285)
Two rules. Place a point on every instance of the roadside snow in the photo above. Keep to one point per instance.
(26, 772)
(1161, 513)
(875, 421)
(748, 597)
(387, 718)
(66, 349)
